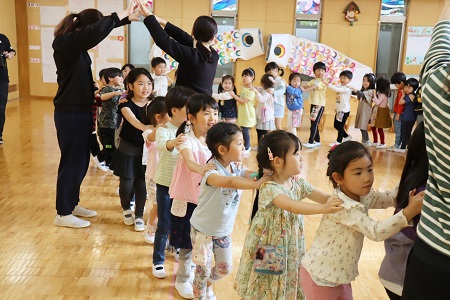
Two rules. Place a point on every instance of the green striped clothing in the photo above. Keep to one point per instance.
(434, 226)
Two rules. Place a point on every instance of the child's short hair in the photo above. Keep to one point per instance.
(293, 75)
(319, 65)
(340, 156)
(249, 72)
(111, 73)
(273, 66)
(195, 104)
(383, 86)
(130, 66)
(101, 73)
(221, 134)
(177, 98)
(153, 108)
(156, 61)
(412, 82)
(346, 73)
(398, 78)
(267, 81)
(279, 142)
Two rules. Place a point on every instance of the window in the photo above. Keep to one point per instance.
(139, 42)
(307, 14)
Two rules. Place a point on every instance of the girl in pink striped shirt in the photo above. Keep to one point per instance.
(202, 113)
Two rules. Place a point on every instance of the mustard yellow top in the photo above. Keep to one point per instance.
(317, 96)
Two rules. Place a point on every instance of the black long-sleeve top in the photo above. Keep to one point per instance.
(73, 64)
(194, 70)
(4, 46)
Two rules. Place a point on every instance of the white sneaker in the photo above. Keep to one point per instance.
(246, 153)
(158, 271)
(374, 144)
(399, 150)
(71, 221)
(381, 146)
(83, 212)
(101, 165)
(128, 218)
(348, 138)
(177, 254)
(367, 144)
(309, 145)
(392, 148)
(210, 293)
(317, 144)
(334, 144)
(150, 234)
(185, 289)
(139, 224)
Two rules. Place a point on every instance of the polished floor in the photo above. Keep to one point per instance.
(108, 259)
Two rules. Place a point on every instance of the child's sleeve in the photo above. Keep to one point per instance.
(294, 91)
(280, 88)
(267, 192)
(305, 189)
(222, 96)
(187, 144)
(162, 136)
(356, 218)
(263, 96)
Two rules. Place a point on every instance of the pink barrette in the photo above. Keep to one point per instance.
(269, 153)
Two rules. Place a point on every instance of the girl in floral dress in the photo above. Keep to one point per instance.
(279, 210)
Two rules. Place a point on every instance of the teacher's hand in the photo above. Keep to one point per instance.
(126, 13)
(144, 11)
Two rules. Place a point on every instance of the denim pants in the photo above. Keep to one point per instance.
(246, 136)
(164, 220)
(398, 132)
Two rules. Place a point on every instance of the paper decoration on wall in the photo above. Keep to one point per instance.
(245, 43)
(229, 5)
(300, 55)
(308, 7)
(417, 44)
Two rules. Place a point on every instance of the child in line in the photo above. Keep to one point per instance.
(414, 177)
(399, 80)
(95, 147)
(342, 106)
(226, 96)
(167, 142)
(364, 111)
(317, 98)
(109, 95)
(127, 161)
(126, 69)
(162, 81)
(331, 263)
(408, 117)
(279, 91)
(157, 116)
(294, 103)
(265, 108)
(246, 108)
(213, 219)
(202, 114)
(279, 219)
(418, 109)
(381, 117)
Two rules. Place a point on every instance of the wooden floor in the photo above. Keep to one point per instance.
(108, 259)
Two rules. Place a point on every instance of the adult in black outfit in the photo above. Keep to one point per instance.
(74, 36)
(196, 58)
(6, 52)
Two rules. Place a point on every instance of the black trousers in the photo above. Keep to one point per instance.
(73, 130)
(339, 126)
(314, 135)
(407, 127)
(3, 101)
(427, 274)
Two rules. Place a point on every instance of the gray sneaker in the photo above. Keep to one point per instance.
(71, 221)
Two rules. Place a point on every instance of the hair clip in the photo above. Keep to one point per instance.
(269, 153)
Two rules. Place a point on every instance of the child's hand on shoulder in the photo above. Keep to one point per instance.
(333, 205)
(208, 167)
(260, 181)
(414, 205)
(397, 117)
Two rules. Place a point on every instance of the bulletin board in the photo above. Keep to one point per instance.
(417, 44)
(43, 16)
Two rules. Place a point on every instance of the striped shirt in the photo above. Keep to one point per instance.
(434, 226)
(167, 159)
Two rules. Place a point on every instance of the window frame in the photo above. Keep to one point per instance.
(309, 17)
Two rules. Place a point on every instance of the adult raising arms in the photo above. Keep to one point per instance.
(74, 36)
(197, 59)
